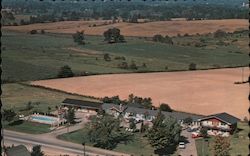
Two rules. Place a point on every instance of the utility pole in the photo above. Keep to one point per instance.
(83, 148)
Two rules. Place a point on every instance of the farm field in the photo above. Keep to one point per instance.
(138, 29)
(35, 57)
(202, 92)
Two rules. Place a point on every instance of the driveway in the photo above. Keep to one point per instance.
(190, 149)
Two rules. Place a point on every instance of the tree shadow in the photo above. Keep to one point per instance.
(16, 122)
(184, 139)
(166, 151)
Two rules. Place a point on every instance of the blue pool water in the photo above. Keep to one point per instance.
(43, 118)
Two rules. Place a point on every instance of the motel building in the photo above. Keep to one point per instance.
(90, 107)
(219, 124)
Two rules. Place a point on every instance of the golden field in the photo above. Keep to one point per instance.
(171, 28)
(201, 92)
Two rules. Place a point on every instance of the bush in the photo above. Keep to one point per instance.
(79, 37)
(165, 107)
(33, 32)
(65, 71)
(42, 31)
(160, 38)
(192, 66)
(133, 66)
(219, 33)
(123, 65)
(107, 57)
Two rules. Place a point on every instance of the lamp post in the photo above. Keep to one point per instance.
(83, 148)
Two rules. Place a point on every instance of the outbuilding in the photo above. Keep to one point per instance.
(82, 105)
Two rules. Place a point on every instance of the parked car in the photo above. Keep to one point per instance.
(196, 135)
(182, 145)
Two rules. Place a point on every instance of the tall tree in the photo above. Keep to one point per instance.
(79, 37)
(9, 115)
(104, 131)
(221, 146)
(70, 116)
(164, 133)
(113, 36)
(36, 151)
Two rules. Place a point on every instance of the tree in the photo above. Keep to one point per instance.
(160, 38)
(164, 133)
(113, 36)
(9, 115)
(221, 146)
(107, 57)
(219, 34)
(79, 37)
(165, 107)
(188, 120)
(49, 109)
(203, 132)
(36, 151)
(70, 116)
(104, 132)
(192, 66)
(65, 71)
(132, 124)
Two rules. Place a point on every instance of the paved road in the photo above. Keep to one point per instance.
(51, 142)
(190, 149)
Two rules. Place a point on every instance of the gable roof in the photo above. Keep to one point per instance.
(82, 103)
(20, 149)
(225, 117)
(174, 114)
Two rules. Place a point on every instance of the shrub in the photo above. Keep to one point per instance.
(192, 66)
(107, 57)
(133, 66)
(65, 71)
(165, 107)
(42, 31)
(219, 33)
(33, 32)
(123, 65)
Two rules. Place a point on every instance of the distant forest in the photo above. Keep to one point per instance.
(51, 11)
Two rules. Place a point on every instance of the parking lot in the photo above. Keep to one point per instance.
(190, 148)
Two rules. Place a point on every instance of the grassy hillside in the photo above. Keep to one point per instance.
(33, 57)
(17, 96)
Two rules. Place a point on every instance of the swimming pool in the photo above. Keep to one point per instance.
(44, 119)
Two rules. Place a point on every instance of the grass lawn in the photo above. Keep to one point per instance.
(33, 57)
(28, 127)
(239, 144)
(17, 96)
(139, 146)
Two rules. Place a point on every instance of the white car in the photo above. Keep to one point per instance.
(182, 145)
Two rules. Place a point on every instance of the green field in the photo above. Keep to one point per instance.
(32, 57)
(238, 144)
(17, 96)
(28, 127)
